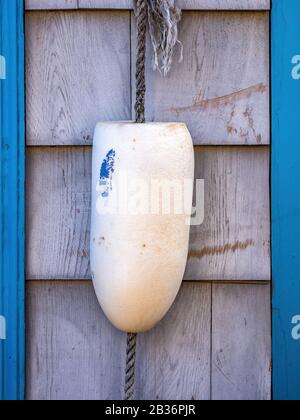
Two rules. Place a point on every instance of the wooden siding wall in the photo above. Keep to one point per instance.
(215, 341)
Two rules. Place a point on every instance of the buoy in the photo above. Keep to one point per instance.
(139, 242)
(138, 246)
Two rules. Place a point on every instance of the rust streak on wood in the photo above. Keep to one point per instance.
(222, 100)
(218, 250)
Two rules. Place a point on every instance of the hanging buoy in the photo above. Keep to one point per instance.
(139, 242)
(138, 262)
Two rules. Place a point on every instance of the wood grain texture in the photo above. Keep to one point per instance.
(106, 4)
(221, 88)
(232, 244)
(51, 4)
(73, 352)
(77, 72)
(128, 4)
(58, 213)
(241, 342)
(224, 4)
(173, 360)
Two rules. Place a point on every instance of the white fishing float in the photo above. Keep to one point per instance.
(139, 242)
(139, 245)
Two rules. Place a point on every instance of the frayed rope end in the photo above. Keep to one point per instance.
(163, 17)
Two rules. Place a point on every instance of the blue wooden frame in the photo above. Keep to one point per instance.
(12, 161)
(286, 198)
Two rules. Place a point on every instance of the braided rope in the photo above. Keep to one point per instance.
(130, 366)
(141, 17)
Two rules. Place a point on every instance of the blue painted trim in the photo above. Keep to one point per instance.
(286, 198)
(12, 160)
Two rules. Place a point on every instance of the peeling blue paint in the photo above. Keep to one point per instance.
(106, 173)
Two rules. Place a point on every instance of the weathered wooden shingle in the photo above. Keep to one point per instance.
(233, 243)
(77, 73)
(241, 342)
(73, 352)
(221, 88)
(173, 360)
(51, 4)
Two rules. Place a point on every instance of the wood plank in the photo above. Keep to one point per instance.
(173, 360)
(77, 72)
(224, 4)
(50, 4)
(66, 328)
(63, 105)
(241, 342)
(221, 88)
(128, 4)
(106, 4)
(233, 243)
(73, 352)
(58, 213)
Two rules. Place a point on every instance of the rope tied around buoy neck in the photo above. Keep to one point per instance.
(163, 18)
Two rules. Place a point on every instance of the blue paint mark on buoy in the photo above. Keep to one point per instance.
(106, 173)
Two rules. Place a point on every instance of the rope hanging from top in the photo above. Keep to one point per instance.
(141, 18)
(163, 18)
